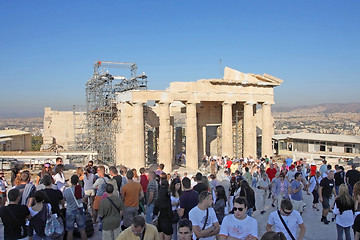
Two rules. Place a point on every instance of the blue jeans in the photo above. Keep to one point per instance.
(149, 213)
(340, 232)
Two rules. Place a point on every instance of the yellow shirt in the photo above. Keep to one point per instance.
(151, 233)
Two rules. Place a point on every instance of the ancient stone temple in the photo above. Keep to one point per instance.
(223, 117)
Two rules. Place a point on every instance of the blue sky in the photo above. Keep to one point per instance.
(47, 48)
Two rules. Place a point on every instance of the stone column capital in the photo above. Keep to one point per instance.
(227, 103)
(164, 103)
(250, 103)
(267, 103)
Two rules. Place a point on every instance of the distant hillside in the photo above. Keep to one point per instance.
(322, 108)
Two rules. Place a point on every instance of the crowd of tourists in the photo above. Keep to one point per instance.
(127, 204)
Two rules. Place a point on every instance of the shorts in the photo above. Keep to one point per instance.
(75, 216)
(298, 205)
(165, 227)
(325, 203)
(97, 201)
(89, 193)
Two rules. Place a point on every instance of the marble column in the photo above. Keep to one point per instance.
(226, 128)
(165, 137)
(249, 130)
(138, 135)
(192, 157)
(266, 145)
(120, 135)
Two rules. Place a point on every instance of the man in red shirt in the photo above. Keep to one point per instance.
(228, 164)
(271, 172)
(143, 179)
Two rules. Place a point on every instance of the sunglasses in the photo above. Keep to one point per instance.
(240, 209)
(286, 212)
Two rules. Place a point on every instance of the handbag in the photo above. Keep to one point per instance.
(206, 218)
(53, 227)
(286, 227)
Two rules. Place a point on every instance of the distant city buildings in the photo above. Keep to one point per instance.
(312, 145)
(15, 140)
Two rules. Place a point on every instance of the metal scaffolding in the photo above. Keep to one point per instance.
(101, 110)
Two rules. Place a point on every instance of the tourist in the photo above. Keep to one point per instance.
(325, 190)
(263, 185)
(74, 210)
(286, 220)
(139, 229)
(189, 198)
(115, 175)
(80, 173)
(185, 231)
(281, 189)
(344, 211)
(356, 227)
(99, 185)
(209, 227)
(339, 177)
(247, 192)
(131, 193)
(296, 193)
(271, 172)
(255, 176)
(91, 166)
(232, 223)
(164, 211)
(175, 193)
(323, 167)
(14, 217)
(39, 213)
(59, 178)
(89, 179)
(3, 187)
(58, 161)
(291, 173)
(288, 161)
(214, 182)
(123, 171)
(144, 181)
(352, 177)
(152, 193)
(15, 176)
(160, 169)
(220, 203)
(247, 176)
(200, 186)
(45, 169)
(27, 189)
(54, 196)
(136, 178)
(356, 196)
(110, 211)
(314, 183)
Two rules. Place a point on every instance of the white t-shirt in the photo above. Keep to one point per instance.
(291, 175)
(346, 219)
(197, 217)
(60, 181)
(233, 227)
(292, 221)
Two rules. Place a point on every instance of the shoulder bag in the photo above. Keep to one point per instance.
(286, 227)
(113, 204)
(206, 218)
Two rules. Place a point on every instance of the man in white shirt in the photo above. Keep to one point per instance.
(205, 229)
(292, 219)
(239, 225)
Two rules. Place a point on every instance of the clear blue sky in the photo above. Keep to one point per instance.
(47, 48)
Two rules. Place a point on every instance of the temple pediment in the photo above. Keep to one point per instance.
(234, 77)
